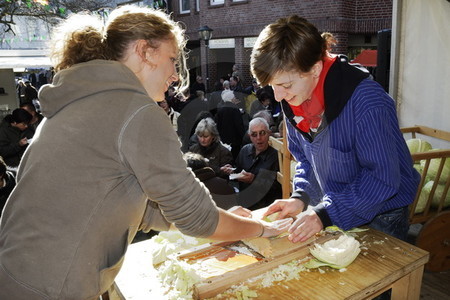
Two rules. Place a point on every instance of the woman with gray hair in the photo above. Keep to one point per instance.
(210, 147)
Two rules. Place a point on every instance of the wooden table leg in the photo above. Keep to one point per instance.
(408, 287)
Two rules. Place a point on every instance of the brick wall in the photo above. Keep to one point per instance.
(248, 18)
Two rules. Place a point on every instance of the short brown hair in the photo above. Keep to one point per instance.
(290, 43)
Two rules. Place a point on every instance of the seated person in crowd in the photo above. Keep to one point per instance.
(230, 122)
(12, 141)
(7, 182)
(222, 193)
(262, 103)
(200, 116)
(258, 165)
(252, 94)
(210, 147)
(266, 115)
(35, 120)
(193, 106)
(171, 113)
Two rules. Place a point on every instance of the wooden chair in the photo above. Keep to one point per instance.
(434, 236)
(426, 157)
(286, 161)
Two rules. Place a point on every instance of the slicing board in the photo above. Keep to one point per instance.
(283, 251)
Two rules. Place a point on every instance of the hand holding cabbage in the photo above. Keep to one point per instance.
(307, 223)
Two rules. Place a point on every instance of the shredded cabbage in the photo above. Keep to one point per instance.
(169, 242)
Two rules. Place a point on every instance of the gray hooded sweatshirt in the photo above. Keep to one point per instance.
(104, 163)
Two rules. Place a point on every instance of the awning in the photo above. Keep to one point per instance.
(32, 59)
(367, 58)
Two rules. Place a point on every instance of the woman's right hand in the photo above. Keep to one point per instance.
(276, 227)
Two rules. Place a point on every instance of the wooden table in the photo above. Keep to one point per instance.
(384, 263)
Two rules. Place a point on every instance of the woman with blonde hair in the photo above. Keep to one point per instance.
(105, 162)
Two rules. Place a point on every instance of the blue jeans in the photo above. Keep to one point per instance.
(394, 222)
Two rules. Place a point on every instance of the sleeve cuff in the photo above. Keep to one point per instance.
(323, 215)
(302, 196)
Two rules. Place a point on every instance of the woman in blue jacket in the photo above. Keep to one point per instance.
(354, 167)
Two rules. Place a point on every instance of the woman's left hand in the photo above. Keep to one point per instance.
(307, 224)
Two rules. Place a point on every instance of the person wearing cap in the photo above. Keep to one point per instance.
(230, 122)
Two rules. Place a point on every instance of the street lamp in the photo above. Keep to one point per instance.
(205, 34)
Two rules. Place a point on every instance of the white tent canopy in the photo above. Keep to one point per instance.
(14, 59)
(421, 68)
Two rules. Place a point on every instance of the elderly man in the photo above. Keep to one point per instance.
(257, 167)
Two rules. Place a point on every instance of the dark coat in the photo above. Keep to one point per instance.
(10, 183)
(231, 126)
(265, 188)
(10, 149)
(31, 130)
(30, 93)
(217, 154)
(187, 119)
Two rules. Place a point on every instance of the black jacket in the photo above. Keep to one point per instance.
(10, 183)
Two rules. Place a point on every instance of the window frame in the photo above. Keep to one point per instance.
(181, 7)
(216, 2)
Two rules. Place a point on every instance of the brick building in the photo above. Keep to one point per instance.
(237, 23)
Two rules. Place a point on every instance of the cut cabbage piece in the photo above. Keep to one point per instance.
(334, 228)
(337, 253)
(272, 217)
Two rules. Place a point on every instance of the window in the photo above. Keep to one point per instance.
(197, 5)
(185, 6)
(217, 2)
(137, 3)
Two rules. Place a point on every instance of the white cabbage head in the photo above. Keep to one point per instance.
(337, 253)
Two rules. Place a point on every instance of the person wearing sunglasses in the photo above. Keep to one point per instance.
(256, 168)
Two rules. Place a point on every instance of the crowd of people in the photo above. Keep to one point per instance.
(218, 126)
